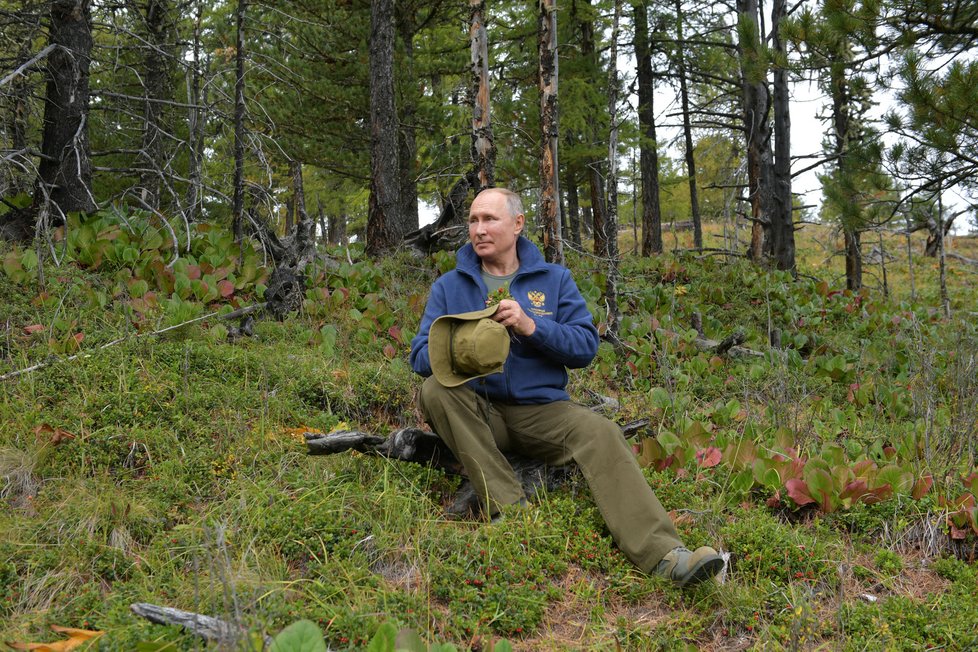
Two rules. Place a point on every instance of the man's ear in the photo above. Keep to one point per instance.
(520, 222)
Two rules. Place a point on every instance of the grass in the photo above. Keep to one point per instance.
(171, 469)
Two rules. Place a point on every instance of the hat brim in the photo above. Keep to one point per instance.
(439, 348)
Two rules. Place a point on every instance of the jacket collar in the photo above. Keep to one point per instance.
(530, 258)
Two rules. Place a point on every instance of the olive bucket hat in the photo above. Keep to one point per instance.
(466, 346)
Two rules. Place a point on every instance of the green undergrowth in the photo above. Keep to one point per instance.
(838, 471)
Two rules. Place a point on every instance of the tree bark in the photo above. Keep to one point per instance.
(694, 204)
(157, 65)
(408, 149)
(592, 165)
(611, 226)
(66, 168)
(384, 206)
(483, 144)
(553, 247)
(854, 258)
(648, 149)
(782, 224)
(195, 122)
(756, 106)
(573, 207)
(237, 204)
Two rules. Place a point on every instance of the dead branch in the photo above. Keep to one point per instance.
(27, 64)
(206, 627)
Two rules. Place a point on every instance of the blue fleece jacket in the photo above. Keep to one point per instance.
(565, 336)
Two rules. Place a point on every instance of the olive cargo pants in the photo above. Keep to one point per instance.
(478, 431)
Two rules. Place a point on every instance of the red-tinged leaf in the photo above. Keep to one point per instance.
(958, 534)
(708, 457)
(395, 332)
(632, 367)
(798, 492)
(389, 351)
(78, 337)
(855, 490)
(878, 495)
(972, 482)
(33, 328)
(922, 486)
(774, 501)
(664, 463)
(193, 272)
(860, 468)
(225, 287)
(889, 452)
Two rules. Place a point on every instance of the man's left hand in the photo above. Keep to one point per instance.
(511, 315)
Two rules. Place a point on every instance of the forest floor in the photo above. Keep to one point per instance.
(838, 471)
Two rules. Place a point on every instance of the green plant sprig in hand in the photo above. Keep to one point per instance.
(498, 295)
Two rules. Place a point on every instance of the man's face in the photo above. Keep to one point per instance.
(493, 230)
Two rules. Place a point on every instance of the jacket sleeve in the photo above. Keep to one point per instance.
(570, 338)
(435, 308)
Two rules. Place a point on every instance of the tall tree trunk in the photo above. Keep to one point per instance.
(945, 299)
(157, 65)
(782, 223)
(66, 167)
(553, 247)
(237, 205)
(573, 207)
(854, 259)
(756, 105)
(842, 124)
(611, 225)
(383, 216)
(593, 165)
(648, 149)
(408, 150)
(483, 145)
(195, 122)
(694, 204)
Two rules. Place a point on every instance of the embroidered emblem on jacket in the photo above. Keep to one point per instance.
(537, 298)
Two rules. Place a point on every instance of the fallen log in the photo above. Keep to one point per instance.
(206, 627)
(427, 448)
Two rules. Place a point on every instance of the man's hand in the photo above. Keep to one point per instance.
(511, 315)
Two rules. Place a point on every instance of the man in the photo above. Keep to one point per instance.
(525, 408)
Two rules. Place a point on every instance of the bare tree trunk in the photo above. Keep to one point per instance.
(851, 223)
(694, 204)
(237, 206)
(573, 207)
(383, 216)
(854, 259)
(782, 224)
(483, 145)
(755, 107)
(611, 226)
(408, 150)
(157, 65)
(66, 168)
(553, 247)
(593, 165)
(648, 148)
(945, 300)
(195, 122)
